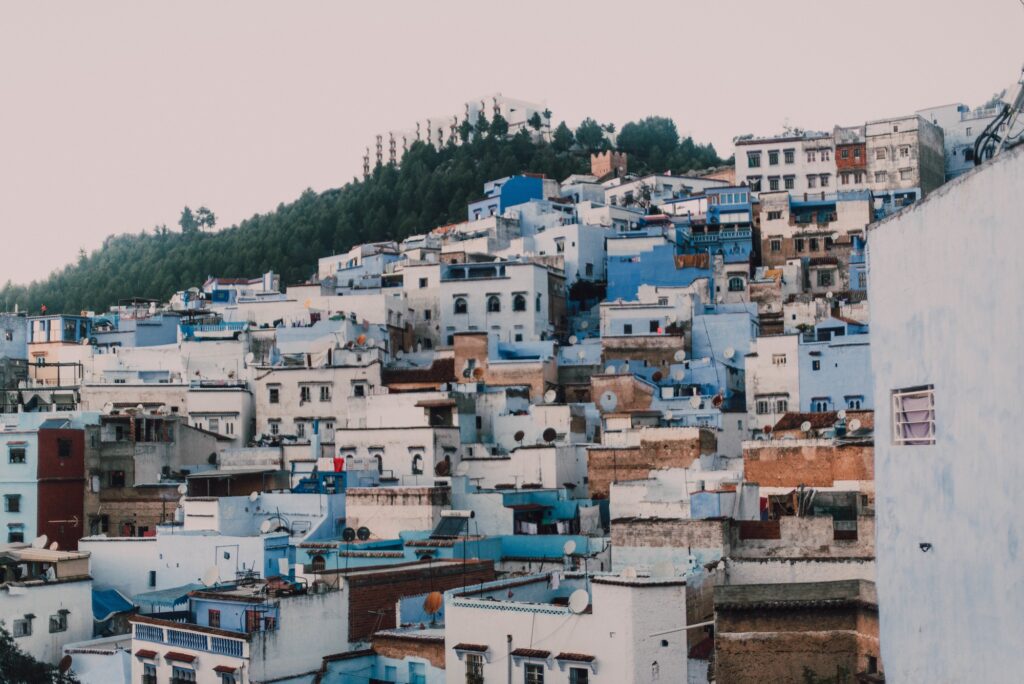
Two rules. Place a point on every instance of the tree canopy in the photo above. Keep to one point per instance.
(431, 187)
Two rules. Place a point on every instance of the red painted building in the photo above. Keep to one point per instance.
(61, 482)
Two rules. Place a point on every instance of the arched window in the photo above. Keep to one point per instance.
(735, 284)
(460, 305)
(519, 303)
(417, 464)
(318, 563)
(493, 304)
(538, 301)
(380, 463)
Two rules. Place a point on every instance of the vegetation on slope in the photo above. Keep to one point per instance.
(430, 188)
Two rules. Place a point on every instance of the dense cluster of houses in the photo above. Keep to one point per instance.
(608, 428)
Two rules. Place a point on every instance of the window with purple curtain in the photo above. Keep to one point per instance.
(913, 416)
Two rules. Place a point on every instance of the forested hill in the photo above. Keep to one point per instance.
(430, 188)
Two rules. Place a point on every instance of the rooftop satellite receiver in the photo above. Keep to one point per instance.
(363, 533)
(573, 339)
(581, 355)
(678, 374)
(183, 489)
(54, 546)
(549, 434)
(854, 425)
(695, 402)
(609, 370)
(550, 396)
(519, 436)
(211, 577)
(805, 426)
(729, 353)
(462, 469)
(609, 401)
(348, 534)
(841, 415)
(265, 527)
(40, 542)
(680, 355)
(569, 548)
(253, 496)
(669, 415)
(579, 600)
(629, 573)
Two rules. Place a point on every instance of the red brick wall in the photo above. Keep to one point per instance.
(61, 500)
(398, 648)
(811, 465)
(371, 605)
(852, 162)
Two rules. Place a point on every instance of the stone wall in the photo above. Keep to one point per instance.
(813, 463)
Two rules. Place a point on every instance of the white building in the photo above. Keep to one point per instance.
(947, 324)
(522, 630)
(772, 380)
(905, 153)
(961, 126)
(45, 599)
(655, 189)
(800, 163)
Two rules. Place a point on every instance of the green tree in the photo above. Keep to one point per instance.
(465, 130)
(563, 138)
(534, 121)
(205, 218)
(590, 135)
(188, 221)
(499, 126)
(482, 125)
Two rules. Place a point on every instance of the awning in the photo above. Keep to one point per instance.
(166, 598)
(179, 657)
(107, 603)
(529, 507)
(225, 669)
(145, 653)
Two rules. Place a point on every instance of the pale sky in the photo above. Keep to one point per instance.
(114, 115)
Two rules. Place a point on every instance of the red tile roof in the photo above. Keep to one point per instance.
(225, 669)
(531, 653)
(479, 648)
(180, 657)
(145, 653)
(576, 657)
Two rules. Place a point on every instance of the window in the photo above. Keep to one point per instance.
(880, 153)
(828, 244)
(533, 673)
(855, 402)
(816, 365)
(417, 464)
(812, 155)
(821, 404)
(63, 448)
(775, 245)
(275, 427)
(824, 180)
(358, 389)
(814, 244)
(778, 359)
(12, 503)
(15, 533)
(427, 314)
(213, 617)
(627, 329)
(735, 284)
(789, 182)
(904, 152)
(773, 182)
(300, 429)
(325, 392)
(474, 668)
(773, 158)
(16, 454)
(913, 416)
(148, 673)
(825, 279)
(537, 304)
(59, 621)
(763, 407)
(753, 159)
(417, 673)
(274, 395)
(845, 153)
(906, 174)
(460, 306)
(228, 678)
(653, 326)
(519, 302)
(798, 243)
(579, 675)
(493, 304)
(304, 393)
(182, 675)
(774, 215)
(116, 478)
(755, 183)
(812, 181)
(826, 155)
(8, 335)
(423, 283)
(788, 155)
(214, 424)
(23, 627)
(781, 405)
(881, 176)
(968, 154)
(587, 270)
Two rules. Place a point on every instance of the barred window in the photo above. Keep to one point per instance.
(913, 416)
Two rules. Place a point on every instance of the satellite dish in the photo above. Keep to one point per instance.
(828, 295)
(581, 355)
(64, 665)
(462, 469)
(609, 401)
(656, 376)
(249, 358)
(183, 489)
(253, 496)
(609, 370)
(854, 425)
(108, 407)
(767, 429)
(729, 353)
(629, 573)
(663, 569)
(549, 434)
(573, 339)
(550, 396)
(680, 355)
(678, 374)
(363, 533)
(370, 342)
(519, 435)
(695, 402)
(569, 548)
(399, 353)
(40, 542)
(361, 340)
(835, 237)
(841, 415)
(669, 415)
(670, 319)
(282, 566)
(478, 372)
(584, 325)
(433, 603)
(211, 576)
(348, 534)
(53, 546)
(579, 600)
(264, 527)
(805, 426)
(717, 401)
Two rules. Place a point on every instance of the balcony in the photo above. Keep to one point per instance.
(169, 632)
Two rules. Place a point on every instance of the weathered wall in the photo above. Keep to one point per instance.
(398, 648)
(813, 463)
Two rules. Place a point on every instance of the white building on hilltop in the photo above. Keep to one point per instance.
(947, 322)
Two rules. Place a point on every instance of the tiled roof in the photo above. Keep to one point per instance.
(531, 653)
(442, 370)
(180, 657)
(145, 653)
(577, 657)
(823, 261)
(792, 421)
(479, 648)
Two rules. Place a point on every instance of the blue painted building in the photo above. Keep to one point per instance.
(503, 193)
(114, 330)
(835, 367)
(657, 266)
(858, 265)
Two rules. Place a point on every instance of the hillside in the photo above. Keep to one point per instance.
(430, 188)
